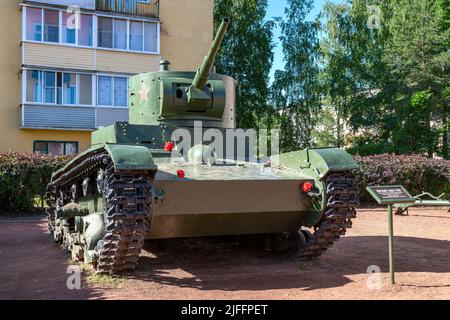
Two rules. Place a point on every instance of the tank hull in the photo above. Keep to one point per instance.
(245, 202)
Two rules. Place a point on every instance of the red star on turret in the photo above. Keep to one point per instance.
(143, 93)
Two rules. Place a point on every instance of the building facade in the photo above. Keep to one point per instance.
(65, 64)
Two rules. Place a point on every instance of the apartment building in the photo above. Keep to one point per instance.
(65, 64)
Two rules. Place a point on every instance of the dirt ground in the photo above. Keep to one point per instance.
(32, 268)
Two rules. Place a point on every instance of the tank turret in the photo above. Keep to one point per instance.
(180, 97)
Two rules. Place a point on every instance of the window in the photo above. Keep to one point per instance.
(58, 26)
(69, 33)
(151, 37)
(105, 91)
(85, 34)
(49, 87)
(136, 35)
(34, 85)
(143, 36)
(69, 88)
(58, 87)
(120, 34)
(44, 25)
(120, 91)
(113, 33)
(51, 26)
(34, 24)
(112, 91)
(105, 32)
(55, 147)
(85, 90)
(82, 36)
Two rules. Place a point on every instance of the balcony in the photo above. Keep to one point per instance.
(142, 8)
(132, 7)
(84, 4)
(56, 117)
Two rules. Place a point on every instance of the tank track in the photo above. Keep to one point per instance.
(127, 203)
(127, 208)
(341, 198)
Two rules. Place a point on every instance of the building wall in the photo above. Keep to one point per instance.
(186, 34)
(50, 55)
(11, 136)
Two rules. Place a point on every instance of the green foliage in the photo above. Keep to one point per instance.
(246, 55)
(390, 80)
(343, 81)
(416, 173)
(296, 90)
(24, 177)
(324, 134)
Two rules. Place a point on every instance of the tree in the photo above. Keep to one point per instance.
(419, 61)
(247, 55)
(353, 71)
(296, 89)
(390, 79)
(336, 59)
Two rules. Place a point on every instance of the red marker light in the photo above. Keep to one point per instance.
(181, 173)
(307, 187)
(169, 146)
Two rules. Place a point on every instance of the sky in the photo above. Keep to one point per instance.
(276, 9)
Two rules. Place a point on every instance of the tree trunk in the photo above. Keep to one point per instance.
(297, 126)
(445, 154)
(338, 124)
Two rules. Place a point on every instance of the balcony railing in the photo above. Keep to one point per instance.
(70, 117)
(134, 7)
(84, 4)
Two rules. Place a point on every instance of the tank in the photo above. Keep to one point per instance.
(139, 181)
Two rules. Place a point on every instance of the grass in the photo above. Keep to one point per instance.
(102, 280)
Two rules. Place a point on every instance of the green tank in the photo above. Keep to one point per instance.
(138, 182)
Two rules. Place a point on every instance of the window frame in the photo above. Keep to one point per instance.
(45, 32)
(112, 91)
(54, 141)
(94, 35)
(55, 103)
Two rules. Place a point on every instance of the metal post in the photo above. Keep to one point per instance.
(391, 245)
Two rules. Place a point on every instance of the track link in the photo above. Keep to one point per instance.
(127, 209)
(341, 199)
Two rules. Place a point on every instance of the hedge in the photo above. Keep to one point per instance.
(416, 173)
(23, 177)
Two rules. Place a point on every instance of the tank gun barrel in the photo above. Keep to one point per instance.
(201, 78)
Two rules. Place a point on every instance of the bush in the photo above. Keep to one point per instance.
(416, 173)
(24, 177)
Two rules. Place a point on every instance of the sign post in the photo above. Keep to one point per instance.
(390, 195)
(391, 244)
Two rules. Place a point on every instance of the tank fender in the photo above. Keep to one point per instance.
(124, 157)
(131, 157)
(316, 163)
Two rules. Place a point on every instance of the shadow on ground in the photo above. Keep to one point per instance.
(220, 265)
(31, 267)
